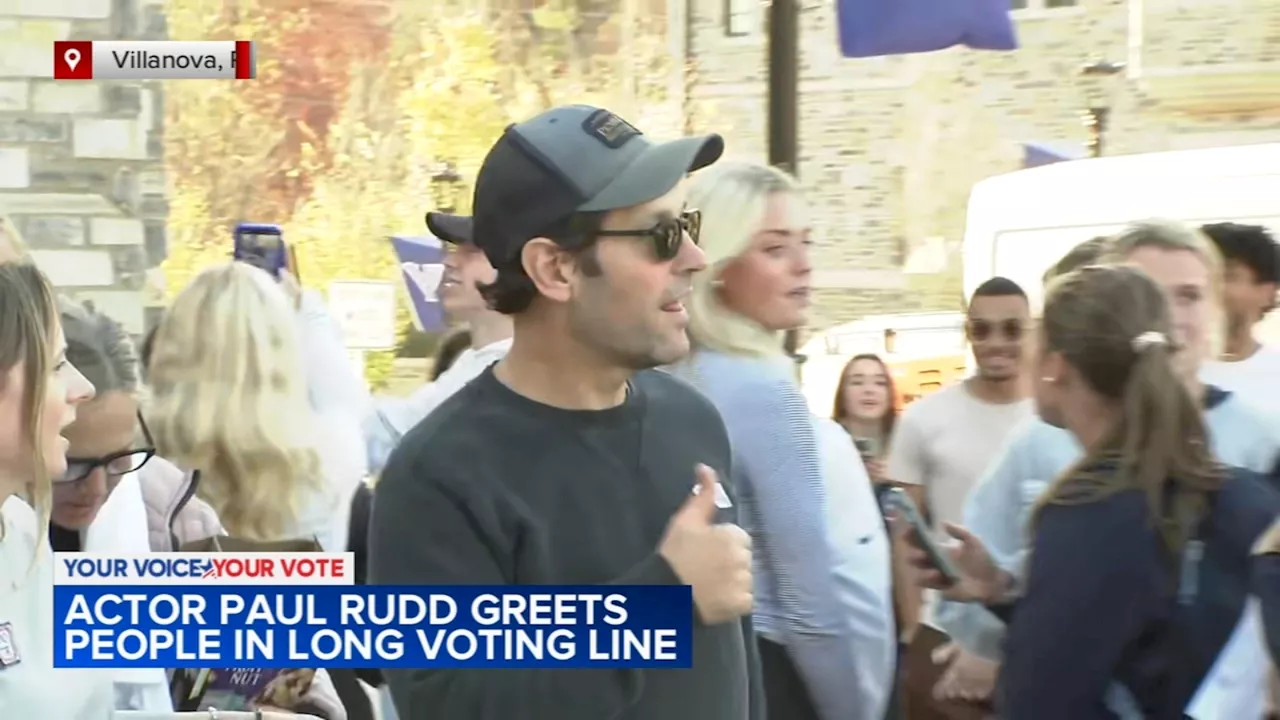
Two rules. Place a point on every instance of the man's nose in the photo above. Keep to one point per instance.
(690, 258)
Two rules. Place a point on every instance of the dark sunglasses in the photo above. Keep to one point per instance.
(980, 330)
(667, 235)
(115, 464)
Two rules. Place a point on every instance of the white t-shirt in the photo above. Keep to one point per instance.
(945, 441)
(30, 687)
(1255, 380)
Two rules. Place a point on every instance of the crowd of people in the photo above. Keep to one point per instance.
(616, 406)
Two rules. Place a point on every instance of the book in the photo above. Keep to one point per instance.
(231, 689)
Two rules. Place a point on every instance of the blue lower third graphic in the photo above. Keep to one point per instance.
(159, 626)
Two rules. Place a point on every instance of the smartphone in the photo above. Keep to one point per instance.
(867, 447)
(262, 246)
(898, 501)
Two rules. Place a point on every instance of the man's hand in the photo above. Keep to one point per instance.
(968, 677)
(714, 559)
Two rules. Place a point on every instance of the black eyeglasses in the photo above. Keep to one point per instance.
(115, 464)
(667, 235)
(980, 330)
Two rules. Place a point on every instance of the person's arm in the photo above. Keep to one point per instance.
(1095, 578)
(424, 533)
(332, 380)
(778, 449)
(392, 417)
(994, 513)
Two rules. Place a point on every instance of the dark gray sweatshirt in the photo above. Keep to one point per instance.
(493, 488)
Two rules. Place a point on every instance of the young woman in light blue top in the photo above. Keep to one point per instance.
(1186, 266)
(824, 606)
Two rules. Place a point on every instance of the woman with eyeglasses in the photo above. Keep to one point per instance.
(824, 608)
(110, 442)
(115, 495)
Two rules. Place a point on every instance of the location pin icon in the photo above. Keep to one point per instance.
(72, 57)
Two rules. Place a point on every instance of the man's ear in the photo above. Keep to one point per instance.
(549, 267)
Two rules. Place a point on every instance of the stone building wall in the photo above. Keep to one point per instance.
(890, 147)
(81, 173)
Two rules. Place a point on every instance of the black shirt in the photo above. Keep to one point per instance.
(64, 540)
(494, 488)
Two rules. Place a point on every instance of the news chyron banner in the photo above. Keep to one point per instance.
(301, 610)
(154, 60)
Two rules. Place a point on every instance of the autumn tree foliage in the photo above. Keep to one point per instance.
(358, 102)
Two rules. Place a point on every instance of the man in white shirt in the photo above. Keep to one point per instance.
(465, 269)
(1251, 272)
(944, 442)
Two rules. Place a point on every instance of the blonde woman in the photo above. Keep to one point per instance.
(117, 524)
(38, 398)
(824, 606)
(229, 398)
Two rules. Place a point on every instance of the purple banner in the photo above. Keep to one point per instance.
(873, 28)
(421, 266)
(1038, 154)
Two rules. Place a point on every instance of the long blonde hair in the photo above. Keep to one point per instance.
(228, 398)
(12, 247)
(733, 198)
(28, 330)
(1111, 324)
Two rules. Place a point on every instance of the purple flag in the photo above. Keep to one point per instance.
(872, 28)
(421, 266)
(1037, 154)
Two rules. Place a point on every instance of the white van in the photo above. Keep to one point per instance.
(1021, 223)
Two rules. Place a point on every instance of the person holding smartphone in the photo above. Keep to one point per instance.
(1140, 561)
(865, 408)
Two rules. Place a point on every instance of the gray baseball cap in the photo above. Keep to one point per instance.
(572, 159)
(453, 229)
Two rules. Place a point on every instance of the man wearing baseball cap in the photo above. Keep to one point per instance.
(465, 268)
(572, 460)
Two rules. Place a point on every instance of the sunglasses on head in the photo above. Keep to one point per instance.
(114, 464)
(980, 330)
(667, 235)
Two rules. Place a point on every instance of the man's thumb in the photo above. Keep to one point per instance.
(701, 507)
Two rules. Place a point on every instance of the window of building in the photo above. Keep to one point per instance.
(741, 17)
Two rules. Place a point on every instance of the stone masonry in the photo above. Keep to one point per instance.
(890, 147)
(81, 173)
